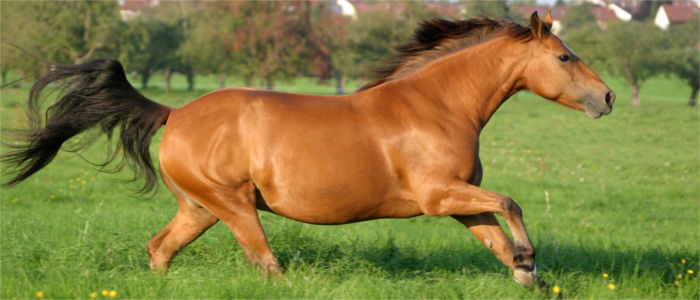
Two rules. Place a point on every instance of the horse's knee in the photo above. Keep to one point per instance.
(511, 208)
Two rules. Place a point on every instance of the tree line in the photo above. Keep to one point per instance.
(263, 42)
(258, 41)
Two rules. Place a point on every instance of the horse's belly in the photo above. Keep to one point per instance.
(338, 210)
(352, 193)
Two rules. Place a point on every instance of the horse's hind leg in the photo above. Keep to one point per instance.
(235, 206)
(486, 228)
(240, 214)
(189, 223)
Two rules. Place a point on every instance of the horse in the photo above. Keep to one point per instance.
(404, 145)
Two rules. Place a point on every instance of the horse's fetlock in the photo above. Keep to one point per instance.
(524, 257)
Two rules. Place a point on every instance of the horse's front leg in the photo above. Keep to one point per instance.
(458, 198)
(486, 228)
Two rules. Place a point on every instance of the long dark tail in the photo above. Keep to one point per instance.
(93, 94)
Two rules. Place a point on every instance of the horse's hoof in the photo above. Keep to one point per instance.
(526, 278)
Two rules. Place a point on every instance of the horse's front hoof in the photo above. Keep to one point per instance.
(526, 278)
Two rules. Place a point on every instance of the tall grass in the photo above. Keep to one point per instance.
(616, 196)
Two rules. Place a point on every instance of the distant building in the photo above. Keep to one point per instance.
(678, 12)
(344, 8)
(636, 9)
(624, 10)
(130, 9)
(619, 12)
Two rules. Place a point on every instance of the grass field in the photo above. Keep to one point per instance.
(609, 203)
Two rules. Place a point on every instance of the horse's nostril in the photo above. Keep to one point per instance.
(609, 98)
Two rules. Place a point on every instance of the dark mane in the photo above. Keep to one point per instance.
(438, 37)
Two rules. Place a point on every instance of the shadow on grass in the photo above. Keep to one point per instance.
(408, 262)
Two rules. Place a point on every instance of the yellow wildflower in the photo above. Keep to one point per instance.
(52, 196)
(611, 286)
(690, 271)
(40, 294)
(112, 293)
(676, 282)
(105, 293)
(605, 275)
(682, 260)
(93, 295)
(680, 275)
(556, 289)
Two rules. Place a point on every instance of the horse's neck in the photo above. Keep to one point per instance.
(470, 84)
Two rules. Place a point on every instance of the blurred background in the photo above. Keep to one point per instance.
(334, 43)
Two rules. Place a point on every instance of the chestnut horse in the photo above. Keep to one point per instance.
(404, 145)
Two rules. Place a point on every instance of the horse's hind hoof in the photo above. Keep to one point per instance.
(527, 279)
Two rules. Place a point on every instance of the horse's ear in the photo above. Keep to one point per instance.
(536, 25)
(548, 20)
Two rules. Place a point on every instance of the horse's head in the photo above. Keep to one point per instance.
(556, 73)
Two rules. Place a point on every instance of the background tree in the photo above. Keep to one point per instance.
(683, 57)
(631, 55)
(271, 40)
(177, 15)
(11, 58)
(371, 39)
(327, 36)
(58, 32)
(490, 9)
(150, 44)
(578, 16)
(211, 44)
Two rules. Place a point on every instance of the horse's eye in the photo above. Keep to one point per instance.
(564, 58)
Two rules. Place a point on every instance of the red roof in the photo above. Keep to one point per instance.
(680, 13)
(394, 8)
(135, 4)
(557, 12)
(445, 10)
(604, 14)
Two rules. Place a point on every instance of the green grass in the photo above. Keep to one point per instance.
(622, 200)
